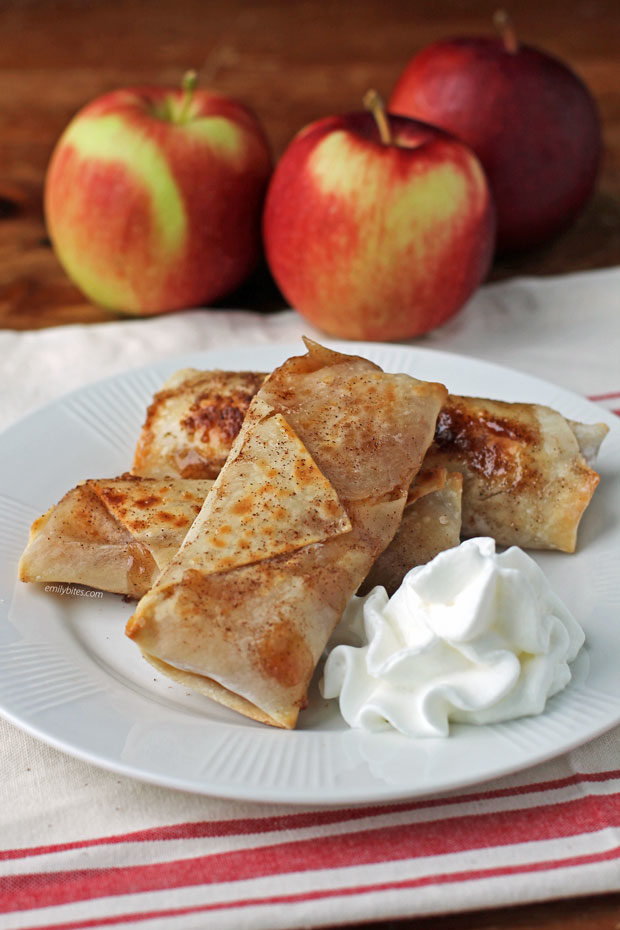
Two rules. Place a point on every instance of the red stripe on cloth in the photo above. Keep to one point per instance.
(249, 825)
(443, 878)
(608, 396)
(365, 847)
(611, 395)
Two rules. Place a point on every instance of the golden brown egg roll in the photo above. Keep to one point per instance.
(313, 490)
(113, 534)
(192, 422)
(526, 481)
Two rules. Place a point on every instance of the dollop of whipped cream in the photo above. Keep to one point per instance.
(472, 637)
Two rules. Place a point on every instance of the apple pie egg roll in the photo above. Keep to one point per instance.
(312, 491)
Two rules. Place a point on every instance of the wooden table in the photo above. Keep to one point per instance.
(292, 62)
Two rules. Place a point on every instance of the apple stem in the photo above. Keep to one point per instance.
(505, 26)
(374, 103)
(188, 85)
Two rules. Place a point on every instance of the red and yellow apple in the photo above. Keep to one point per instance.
(377, 228)
(529, 118)
(153, 197)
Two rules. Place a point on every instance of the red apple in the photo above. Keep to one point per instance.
(153, 197)
(529, 118)
(377, 228)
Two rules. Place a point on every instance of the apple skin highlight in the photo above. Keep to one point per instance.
(375, 241)
(151, 208)
(531, 121)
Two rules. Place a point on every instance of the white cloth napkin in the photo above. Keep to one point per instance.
(82, 847)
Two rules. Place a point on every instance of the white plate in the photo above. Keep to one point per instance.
(69, 676)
